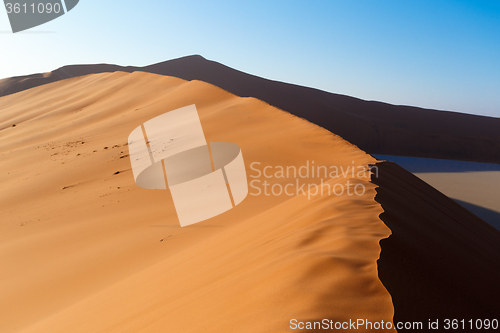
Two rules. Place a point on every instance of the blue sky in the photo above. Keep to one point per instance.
(436, 54)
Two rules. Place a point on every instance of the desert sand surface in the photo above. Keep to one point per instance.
(476, 186)
(376, 127)
(441, 261)
(83, 249)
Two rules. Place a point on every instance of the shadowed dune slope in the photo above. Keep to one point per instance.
(83, 249)
(441, 261)
(376, 127)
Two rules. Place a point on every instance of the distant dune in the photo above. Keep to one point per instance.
(378, 128)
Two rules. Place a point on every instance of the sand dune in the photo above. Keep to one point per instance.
(83, 249)
(378, 128)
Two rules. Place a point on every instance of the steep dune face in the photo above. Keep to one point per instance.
(83, 249)
(378, 128)
(441, 261)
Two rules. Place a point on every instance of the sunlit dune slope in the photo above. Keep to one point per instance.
(83, 249)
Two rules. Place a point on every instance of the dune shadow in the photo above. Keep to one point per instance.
(487, 215)
(427, 165)
(441, 261)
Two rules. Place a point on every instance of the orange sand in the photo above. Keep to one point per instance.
(81, 249)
